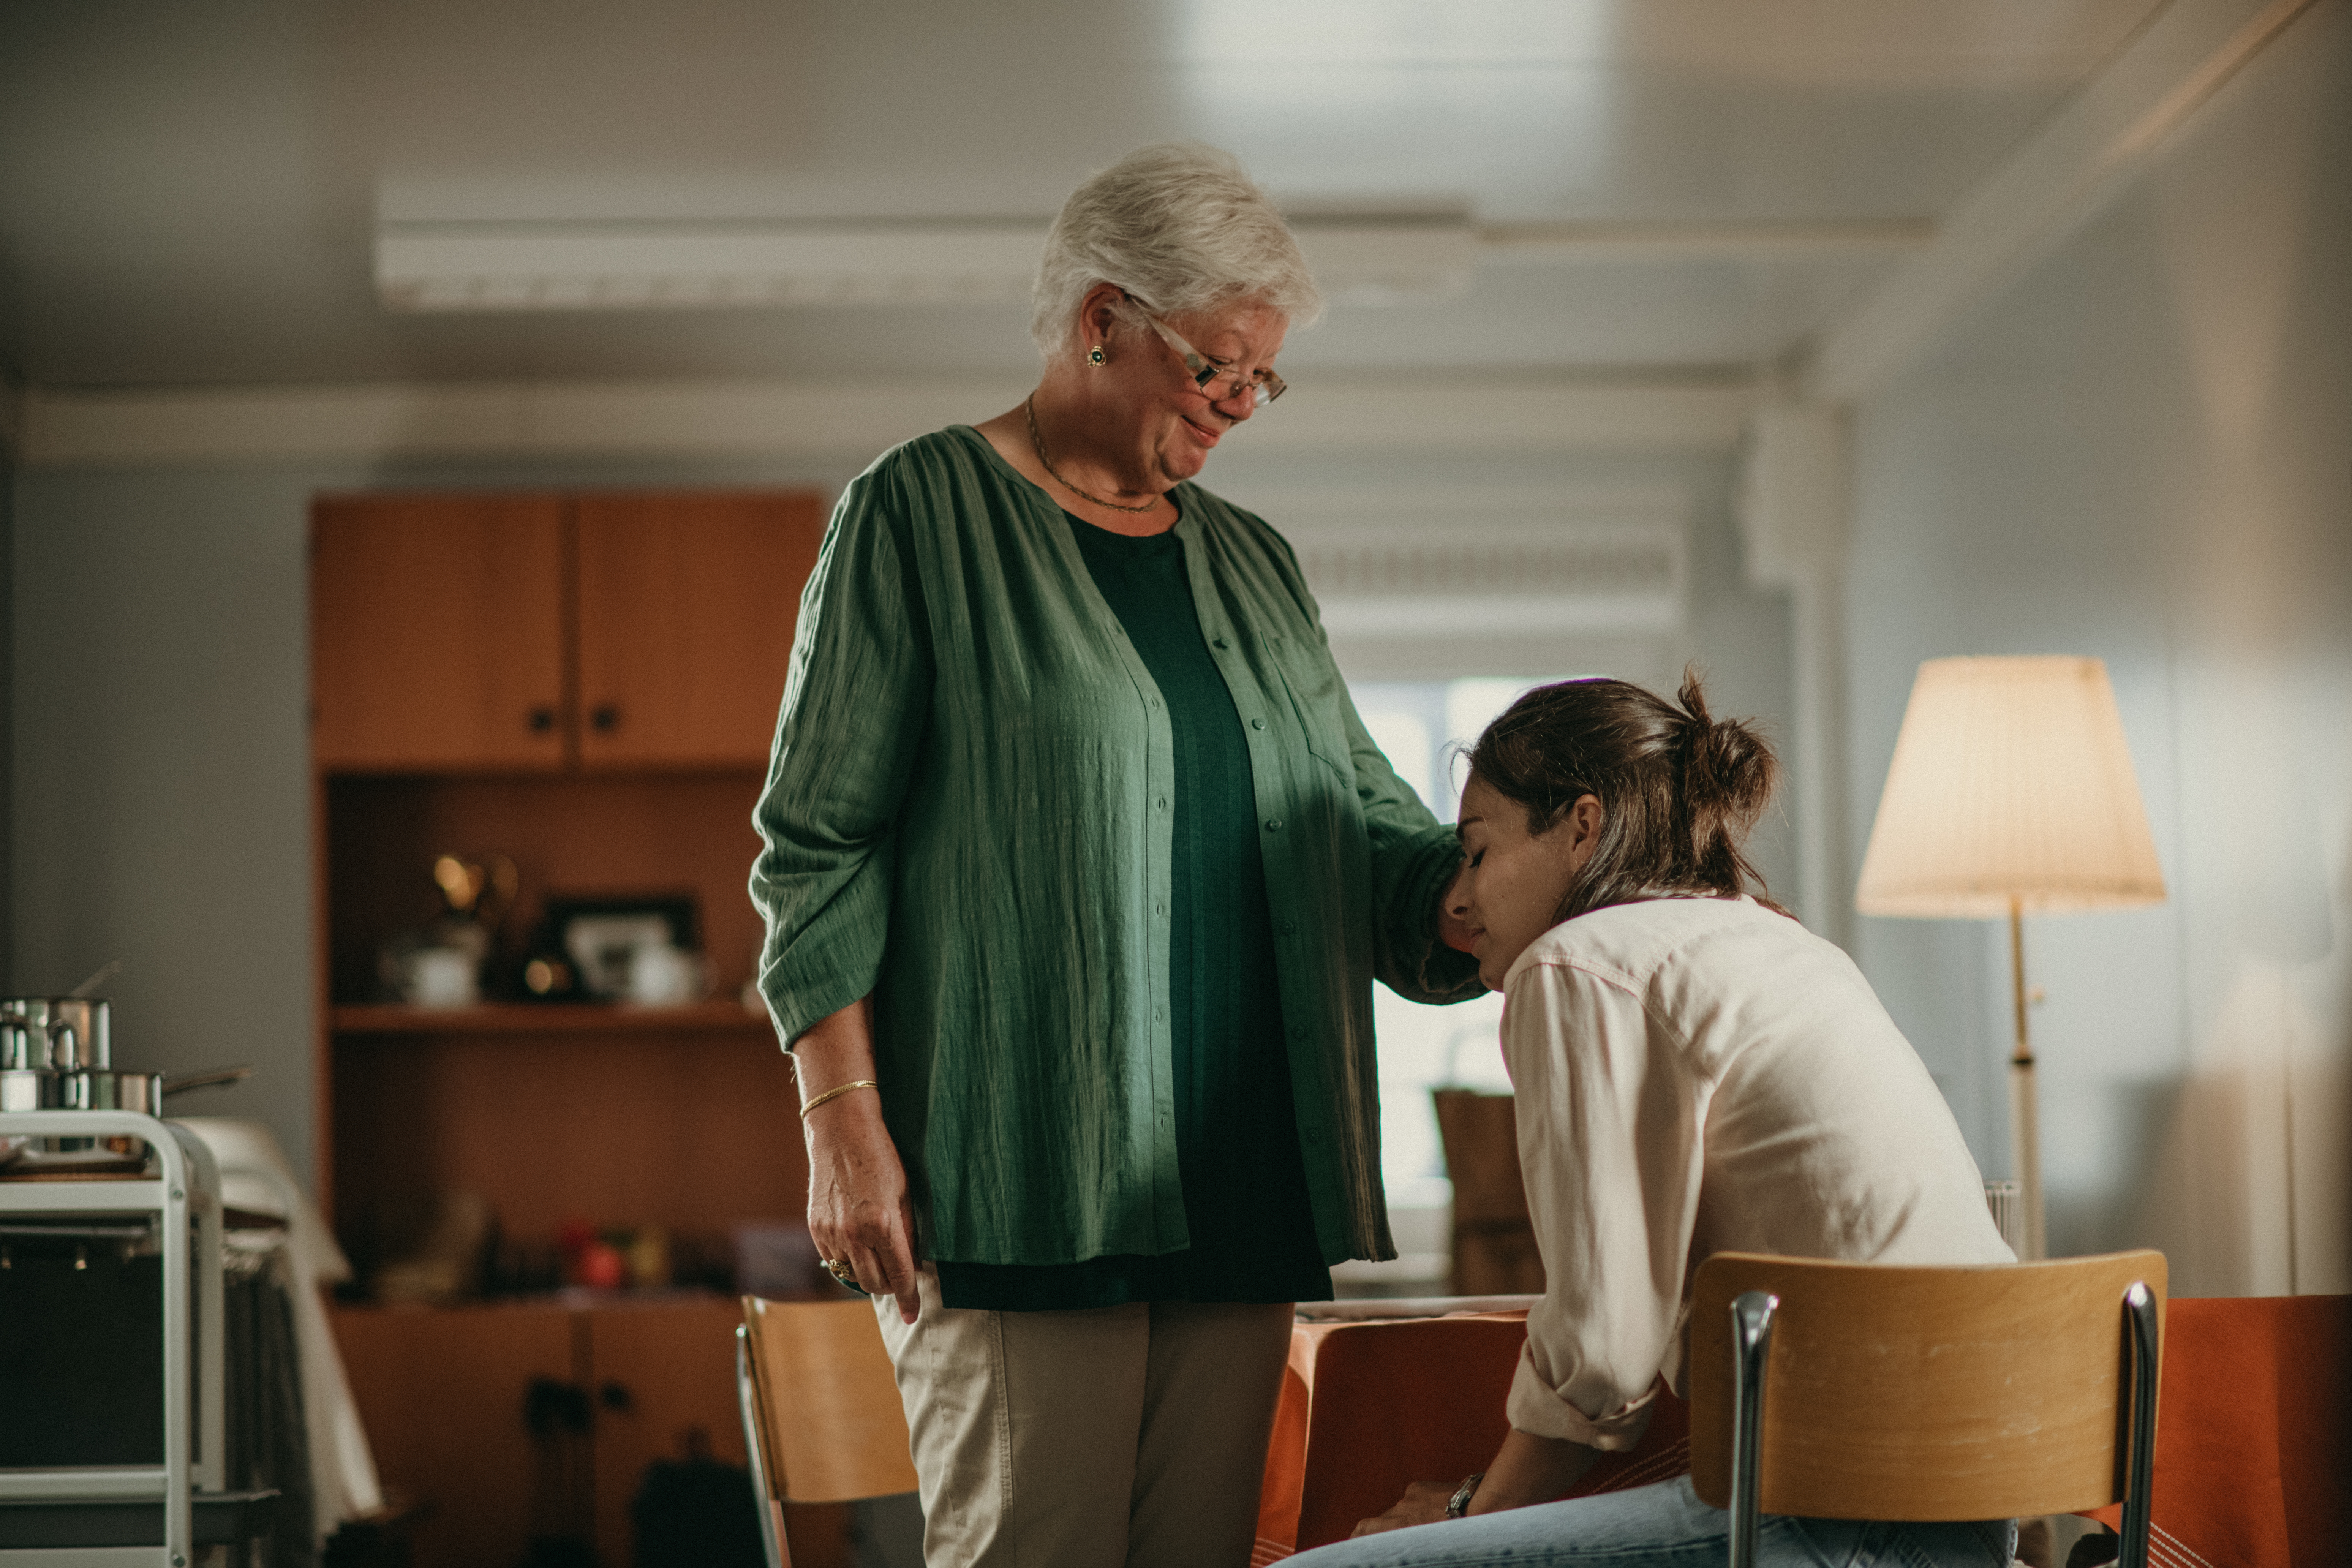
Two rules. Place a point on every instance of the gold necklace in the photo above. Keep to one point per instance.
(1028, 407)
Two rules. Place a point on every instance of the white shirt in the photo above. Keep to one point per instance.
(1697, 1076)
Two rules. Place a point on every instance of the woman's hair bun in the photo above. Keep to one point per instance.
(1728, 771)
(1679, 788)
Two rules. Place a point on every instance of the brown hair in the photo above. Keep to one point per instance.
(1678, 790)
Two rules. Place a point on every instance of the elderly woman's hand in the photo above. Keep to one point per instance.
(858, 1211)
(858, 1208)
(1423, 1503)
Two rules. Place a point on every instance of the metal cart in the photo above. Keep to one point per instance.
(70, 1516)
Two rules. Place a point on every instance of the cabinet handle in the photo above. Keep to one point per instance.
(540, 719)
(604, 717)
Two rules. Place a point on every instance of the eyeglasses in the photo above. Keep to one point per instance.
(1207, 372)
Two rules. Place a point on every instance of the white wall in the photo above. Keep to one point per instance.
(162, 811)
(2142, 449)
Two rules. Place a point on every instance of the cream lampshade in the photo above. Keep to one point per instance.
(2011, 793)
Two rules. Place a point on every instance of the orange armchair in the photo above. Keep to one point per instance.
(2254, 1443)
(1367, 1408)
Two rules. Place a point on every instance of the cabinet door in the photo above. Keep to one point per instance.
(687, 608)
(677, 1364)
(675, 1361)
(441, 1396)
(436, 632)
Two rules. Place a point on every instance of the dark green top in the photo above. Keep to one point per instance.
(1245, 1203)
(968, 816)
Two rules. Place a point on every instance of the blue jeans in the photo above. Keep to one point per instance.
(1666, 1526)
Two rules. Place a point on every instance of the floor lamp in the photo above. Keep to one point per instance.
(2012, 793)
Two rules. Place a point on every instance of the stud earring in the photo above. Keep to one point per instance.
(1095, 354)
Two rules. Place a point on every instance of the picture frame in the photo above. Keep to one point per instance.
(600, 933)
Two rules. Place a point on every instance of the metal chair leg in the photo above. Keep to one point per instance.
(2139, 1312)
(1751, 1346)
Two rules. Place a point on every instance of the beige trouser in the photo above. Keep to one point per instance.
(1132, 1436)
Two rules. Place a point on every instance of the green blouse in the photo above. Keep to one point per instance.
(1249, 1220)
(969, 815)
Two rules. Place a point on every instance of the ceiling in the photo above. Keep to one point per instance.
(189, 193)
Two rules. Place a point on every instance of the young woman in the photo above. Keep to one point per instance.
(1695, 1073)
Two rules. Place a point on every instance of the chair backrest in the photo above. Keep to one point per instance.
(830, 1427)
(1495, 1250)
(1897, 1392)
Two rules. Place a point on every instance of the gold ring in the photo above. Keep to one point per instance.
(839, 1268)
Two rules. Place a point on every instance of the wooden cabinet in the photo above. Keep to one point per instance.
(437, 632)
(686, 609)
(532, 632)
(676, 1367)
(444, 1395)
(584, 685)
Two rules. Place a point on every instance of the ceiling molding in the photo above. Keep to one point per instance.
(771, 418)
(587, 265)
(479, 265)
(1571, 244)
(2056, 180)
(488, 266)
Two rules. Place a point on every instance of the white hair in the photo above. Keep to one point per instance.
(1182, 227)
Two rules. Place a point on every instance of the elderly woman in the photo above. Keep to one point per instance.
(1078, 867)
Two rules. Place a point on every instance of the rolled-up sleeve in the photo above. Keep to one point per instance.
(855, 708)
(1609, 1140)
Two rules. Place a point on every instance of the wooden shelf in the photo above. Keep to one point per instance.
(547, 1018)
(584, 685)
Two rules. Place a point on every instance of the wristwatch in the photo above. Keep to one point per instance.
(1459, 1503)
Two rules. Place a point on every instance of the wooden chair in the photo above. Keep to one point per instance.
(1494, 1251)
(1869, 1391)
(822, 1421)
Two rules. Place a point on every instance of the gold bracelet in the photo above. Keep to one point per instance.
(837, 1093)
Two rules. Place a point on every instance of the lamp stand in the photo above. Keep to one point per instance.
(2024, 1121)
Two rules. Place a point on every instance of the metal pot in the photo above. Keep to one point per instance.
(23, 1047)
(27, 1089)
(65, 1033)
(25, 1081)
(141, 1092)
